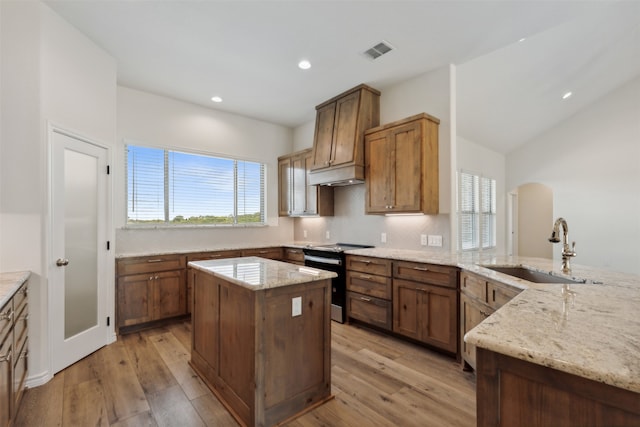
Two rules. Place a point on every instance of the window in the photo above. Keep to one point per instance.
(476, 212)
(178, 188)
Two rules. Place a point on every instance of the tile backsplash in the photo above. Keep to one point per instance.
(350, 225)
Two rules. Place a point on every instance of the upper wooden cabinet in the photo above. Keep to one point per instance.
(338, 146)
(402, 166)
(296, 196)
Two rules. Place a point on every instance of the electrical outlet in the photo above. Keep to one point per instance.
(383, 237)
(296, 306)
(435, 240)
(304, 233)
(423, 239)
(327, 234)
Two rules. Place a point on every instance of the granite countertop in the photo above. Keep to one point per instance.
(10, 283)
(589, 329)
(259, 273)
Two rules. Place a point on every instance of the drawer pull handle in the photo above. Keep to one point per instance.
(365, 299)
(155, 260)
(6, 357)
(24, 354)
(362, 276)
(421, 268)
(7, 315)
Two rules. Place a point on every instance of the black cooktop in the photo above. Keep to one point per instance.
(338, 247)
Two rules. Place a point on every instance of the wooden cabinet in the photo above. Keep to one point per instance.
(293, 255)
(14, 353)
(401, 161)
(264, 363)
(425, 303)
(150, 288)
(201, 256)
(479, 298)
(296, 196)
(338, 145)
(369, 290)
(514, 392)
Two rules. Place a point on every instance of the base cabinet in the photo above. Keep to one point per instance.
(369, 290)
(264, 364)
(513, 392)
(150, 288)
(14, 353)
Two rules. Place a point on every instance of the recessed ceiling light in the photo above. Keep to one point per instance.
(567, 95)
(216, 99)
(521, 40)
(304, 64)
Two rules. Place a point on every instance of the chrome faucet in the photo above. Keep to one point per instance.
(567, 253)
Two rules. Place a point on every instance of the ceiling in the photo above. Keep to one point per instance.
(247, 53)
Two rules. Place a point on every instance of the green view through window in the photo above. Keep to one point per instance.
(166, 187)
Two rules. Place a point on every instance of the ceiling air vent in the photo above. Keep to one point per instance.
(378, 50)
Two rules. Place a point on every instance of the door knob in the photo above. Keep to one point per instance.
(61, 262)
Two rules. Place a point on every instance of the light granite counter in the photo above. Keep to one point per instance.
(10, 283)
(259, 273)
(589, 329)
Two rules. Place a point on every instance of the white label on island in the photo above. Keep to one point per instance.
(296, 306)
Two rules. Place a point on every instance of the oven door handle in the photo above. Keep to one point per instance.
(323, 260)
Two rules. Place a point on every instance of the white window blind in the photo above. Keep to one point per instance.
(476, 212)
(179, 188)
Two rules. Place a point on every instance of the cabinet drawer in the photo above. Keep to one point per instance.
(201, 256)
(271, 253)
(369, 284)
(374, 311)
(6, 319)
(473, 286)
(21, 319)
(379, 266)
(293, 255)
(499, 294)
(426, 273)
(141, 265)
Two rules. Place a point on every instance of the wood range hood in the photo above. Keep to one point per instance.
(338, 143)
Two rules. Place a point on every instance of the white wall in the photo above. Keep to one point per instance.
(535, 213)
(427, 93)
(592, 164)
(473, 157)
(50, 72)
(154, 120)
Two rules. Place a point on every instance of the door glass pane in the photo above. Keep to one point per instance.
(81, 224)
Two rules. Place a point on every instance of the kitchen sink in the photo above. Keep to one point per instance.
(532, 275)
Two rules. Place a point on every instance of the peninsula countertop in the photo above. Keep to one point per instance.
(589, 329)
(257, 273)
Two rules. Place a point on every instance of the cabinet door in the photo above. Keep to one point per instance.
(299, 186)
(406, 306)
(345, 129)
(205, 318)
(170, 294)
(6, 382)
(406, 179)
(325, 118)
(284, 186)
(312, 192)
(439, 317)
(379, 173)
(135, 299)
(472, 313)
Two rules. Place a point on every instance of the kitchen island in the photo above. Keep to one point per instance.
(261, 336)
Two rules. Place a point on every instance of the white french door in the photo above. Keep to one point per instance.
(78, 258)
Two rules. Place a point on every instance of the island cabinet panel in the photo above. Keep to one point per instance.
(201, 256)
(265, 363)
(513, 392)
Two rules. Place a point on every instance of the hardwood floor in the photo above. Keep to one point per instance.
(144, 379)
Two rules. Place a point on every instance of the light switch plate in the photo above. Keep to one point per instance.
(328, 234)
(304, 233)
(423, 239)
(296, 306)
(383, 237)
